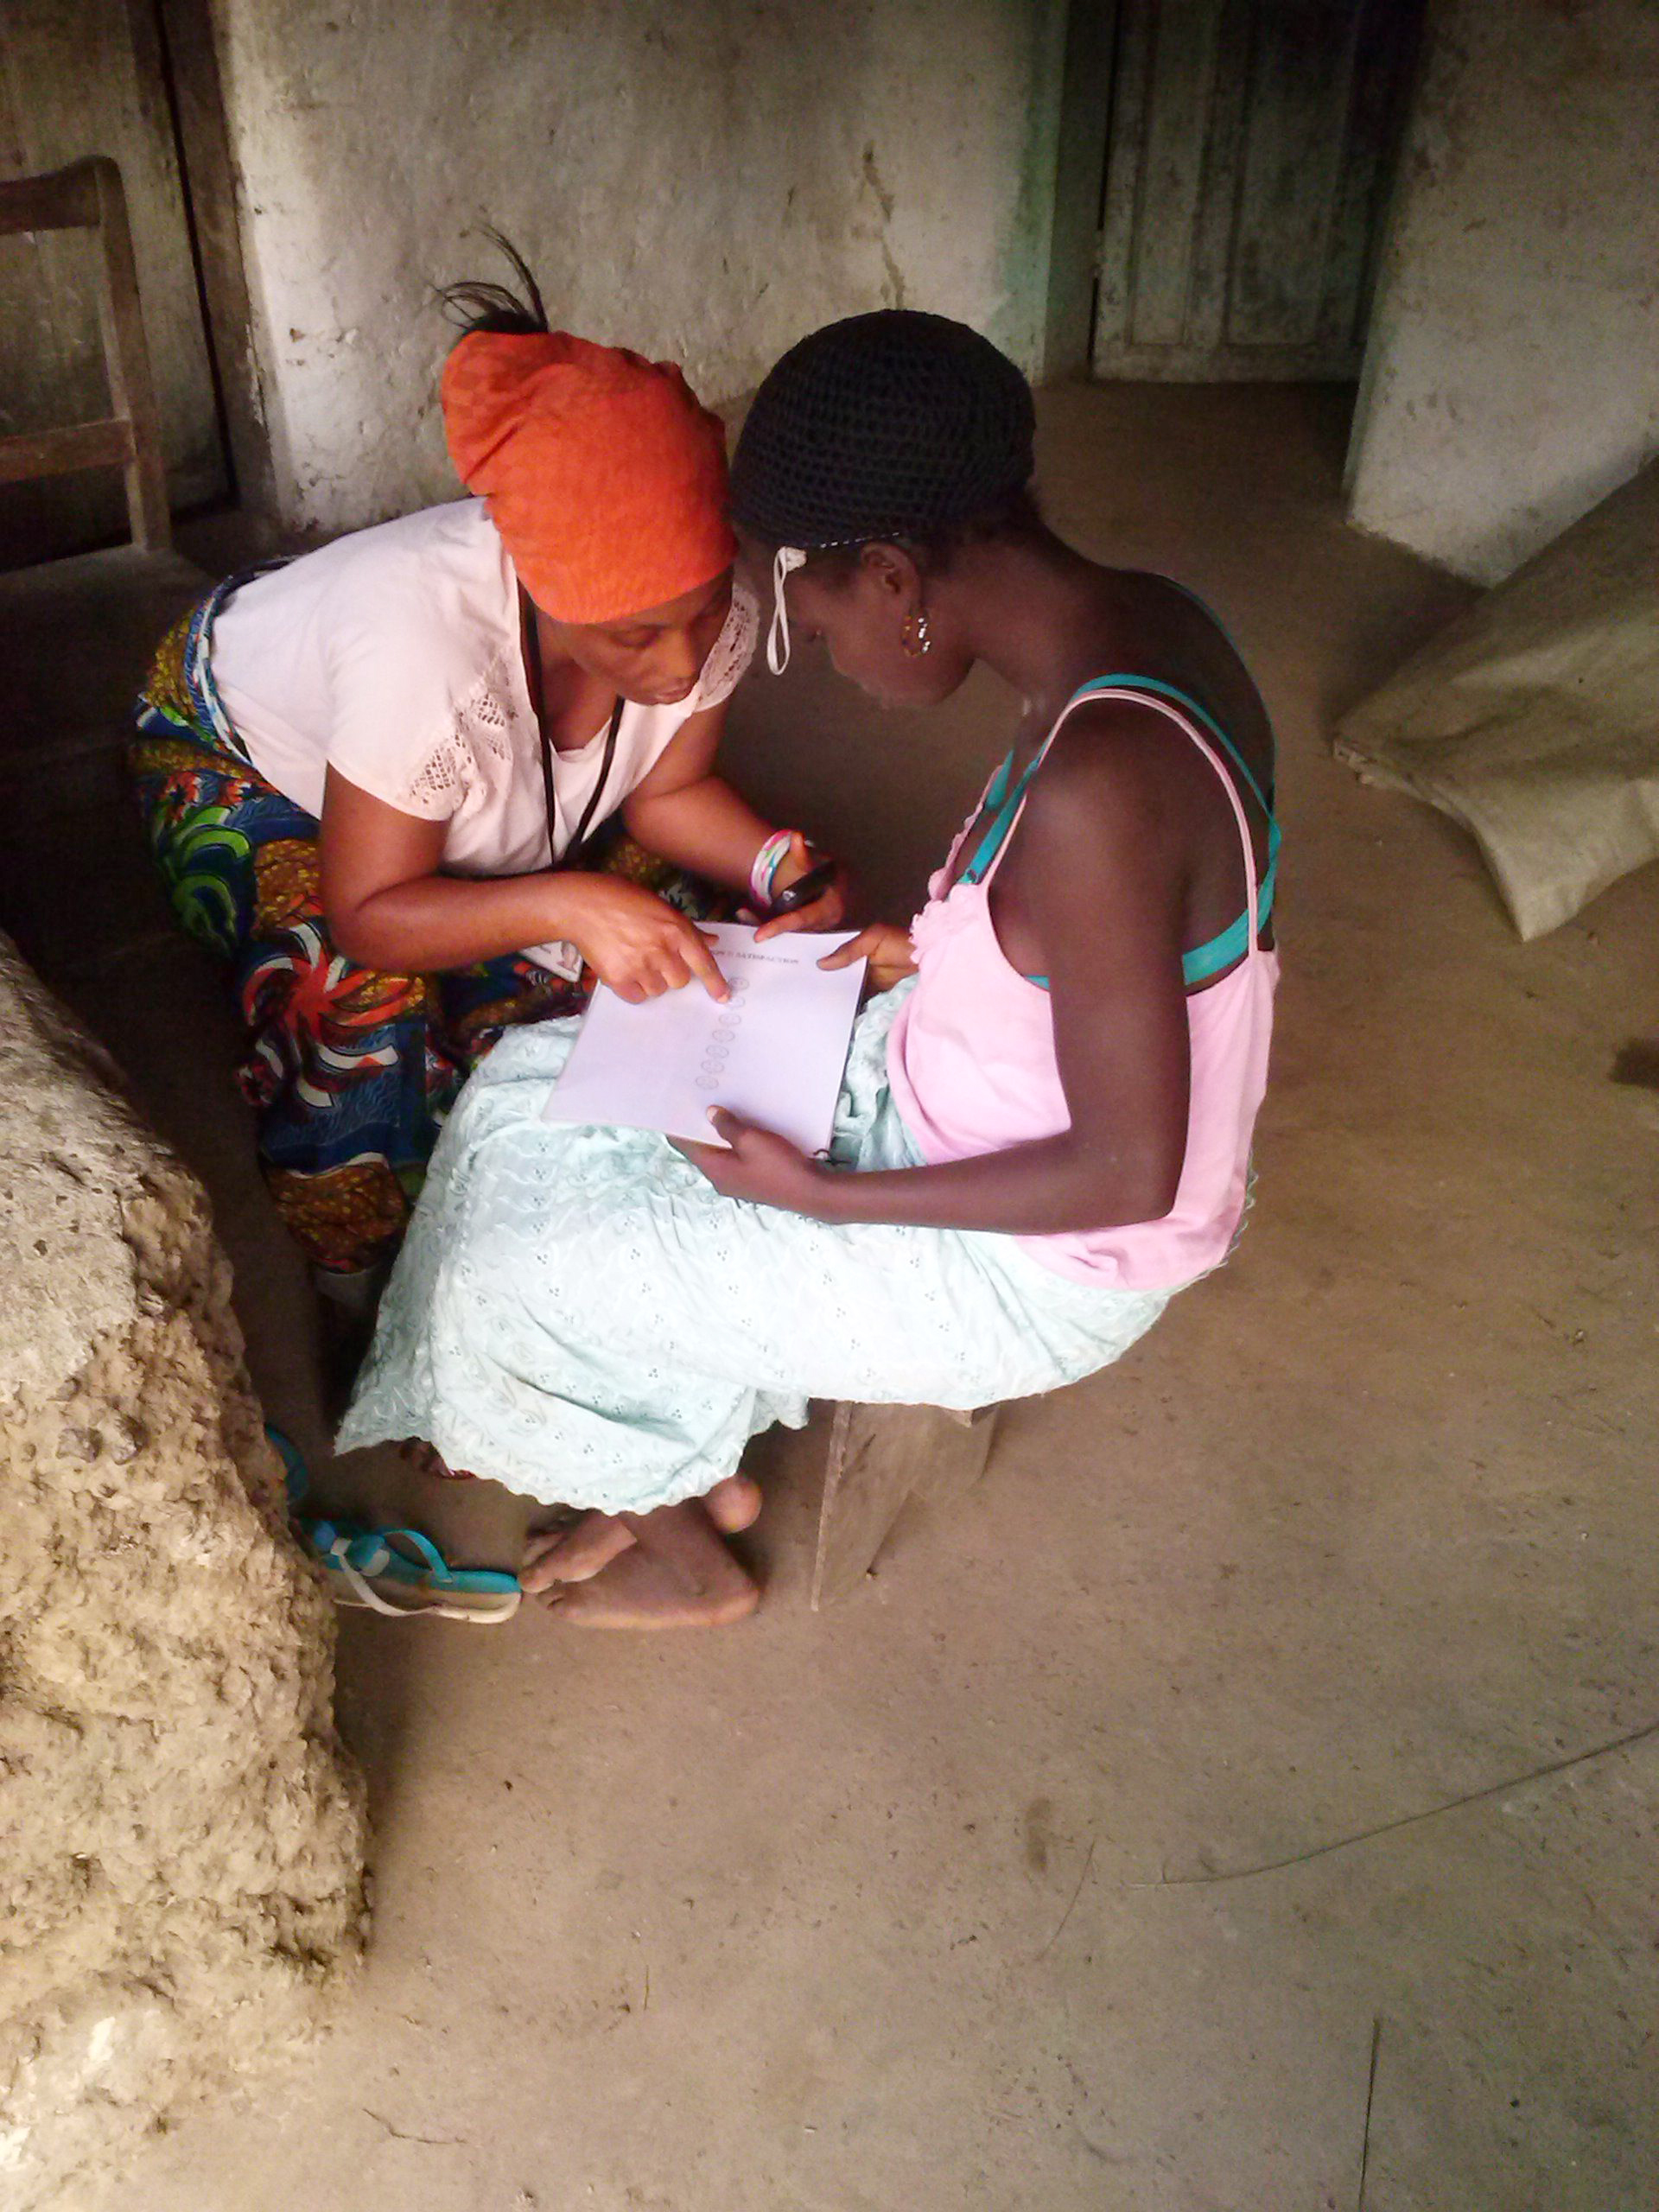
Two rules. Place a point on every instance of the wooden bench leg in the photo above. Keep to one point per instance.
(879, 1456)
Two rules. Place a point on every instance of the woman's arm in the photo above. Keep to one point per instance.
(389, 908)
(685, 813)
(1102, 892)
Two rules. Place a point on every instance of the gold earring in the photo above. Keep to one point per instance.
(916, 637)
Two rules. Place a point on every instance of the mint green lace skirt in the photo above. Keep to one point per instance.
(578, 1314)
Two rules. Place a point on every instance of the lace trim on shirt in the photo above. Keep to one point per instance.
(731, 651)
(482, 727)
(483, 720)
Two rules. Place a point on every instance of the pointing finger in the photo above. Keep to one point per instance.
(702, 965)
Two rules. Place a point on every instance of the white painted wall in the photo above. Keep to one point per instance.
(703, 179)
(1513, 376)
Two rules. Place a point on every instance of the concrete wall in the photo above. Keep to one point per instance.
(705, 182)
(1513, 375)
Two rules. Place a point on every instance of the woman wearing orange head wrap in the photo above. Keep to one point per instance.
(372, 774)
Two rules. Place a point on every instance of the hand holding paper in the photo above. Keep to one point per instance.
(743, 1161)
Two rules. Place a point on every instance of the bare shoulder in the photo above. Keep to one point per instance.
(1106, 777)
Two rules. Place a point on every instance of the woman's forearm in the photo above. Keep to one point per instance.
(444, 921)
(1049, 1187)
(703, 826)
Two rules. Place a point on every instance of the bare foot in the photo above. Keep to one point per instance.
(573, 1552)
(667, 1569)
(576, 1551)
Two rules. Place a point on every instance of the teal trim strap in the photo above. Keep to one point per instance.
(1233, 943)
(1230, 944)
(1006, 804)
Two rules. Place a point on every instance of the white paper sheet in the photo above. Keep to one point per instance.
(774, 1053)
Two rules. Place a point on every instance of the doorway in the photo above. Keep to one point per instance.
(1241, 153)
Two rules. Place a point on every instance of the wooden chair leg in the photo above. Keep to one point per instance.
(88, 195)
(127, 358)
(879, 1457)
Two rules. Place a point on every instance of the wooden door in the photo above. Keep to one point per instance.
(87, 76)
(1249, 158)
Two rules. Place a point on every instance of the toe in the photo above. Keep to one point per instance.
(733, 1505)
(574, 1554)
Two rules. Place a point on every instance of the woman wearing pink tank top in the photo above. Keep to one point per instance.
(1044, 1128)
(1082, 1058)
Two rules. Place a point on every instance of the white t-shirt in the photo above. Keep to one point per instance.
(395, 655)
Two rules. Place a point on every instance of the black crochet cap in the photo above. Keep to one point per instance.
(896, 424)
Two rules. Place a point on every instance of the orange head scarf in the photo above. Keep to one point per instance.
(603, 476)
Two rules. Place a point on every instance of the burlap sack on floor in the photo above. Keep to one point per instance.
(1534, 719)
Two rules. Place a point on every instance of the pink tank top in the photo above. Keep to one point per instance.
(971, 1064)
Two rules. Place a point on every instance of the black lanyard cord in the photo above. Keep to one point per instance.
(573, 852)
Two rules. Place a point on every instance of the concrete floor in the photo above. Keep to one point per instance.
(1262, 1744)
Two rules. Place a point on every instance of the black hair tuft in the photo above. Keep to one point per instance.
(474, 304)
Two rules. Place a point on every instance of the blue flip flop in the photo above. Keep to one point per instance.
(366, 1568)
(296, 1476)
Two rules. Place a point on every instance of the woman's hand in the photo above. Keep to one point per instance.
(826, 911)
(636, 942)
(886, 948)
(764, 1169)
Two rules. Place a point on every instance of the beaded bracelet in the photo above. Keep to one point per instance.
(767, 861)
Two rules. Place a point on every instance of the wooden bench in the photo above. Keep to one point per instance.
(879, 1457)
(88, 195)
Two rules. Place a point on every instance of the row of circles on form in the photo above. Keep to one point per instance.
(713, 1066)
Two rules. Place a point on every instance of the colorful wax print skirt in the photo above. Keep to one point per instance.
(350, 1072)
